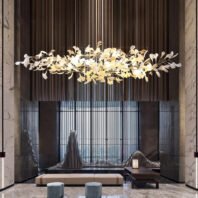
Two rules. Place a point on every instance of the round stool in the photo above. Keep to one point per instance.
(93, 190)
(55, 190)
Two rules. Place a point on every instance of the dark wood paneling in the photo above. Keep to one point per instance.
(22, 44)
(169, 138)
(48, 134)
(149, 129)
(26, 161)
(60, 24)
(173, 45)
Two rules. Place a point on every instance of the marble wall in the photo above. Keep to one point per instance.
(190, 93)
(9, 107)
(11, 95)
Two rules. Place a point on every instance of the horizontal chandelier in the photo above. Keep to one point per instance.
(97, 65)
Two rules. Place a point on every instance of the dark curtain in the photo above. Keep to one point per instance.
(60, 24)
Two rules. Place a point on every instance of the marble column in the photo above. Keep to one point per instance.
(191, 165)
(9, 108)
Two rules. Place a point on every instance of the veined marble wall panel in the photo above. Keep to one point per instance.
(7, 163)
(1, 160)
(190, 89)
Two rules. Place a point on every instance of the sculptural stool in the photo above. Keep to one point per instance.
(55, 190)
(93, 190)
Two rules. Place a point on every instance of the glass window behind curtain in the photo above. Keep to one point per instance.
(106, 131)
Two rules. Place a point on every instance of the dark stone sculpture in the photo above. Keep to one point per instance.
(72, 156)
(143, 161)
(26, 160)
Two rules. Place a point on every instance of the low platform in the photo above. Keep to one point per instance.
(143, 175)
(80, 179)
(112, 170)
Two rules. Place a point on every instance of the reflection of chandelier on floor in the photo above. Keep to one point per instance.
(96, 65)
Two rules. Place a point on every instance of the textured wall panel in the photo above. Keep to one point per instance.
(8, 108)
(60, 24)
(48, 134)
(149, 129)
(190, 97)
(26, 133)
(169, 138)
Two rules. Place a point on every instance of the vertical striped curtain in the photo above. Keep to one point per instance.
(106, 130)
(29, 120)
(60, 24)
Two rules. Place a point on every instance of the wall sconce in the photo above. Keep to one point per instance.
(135, 163)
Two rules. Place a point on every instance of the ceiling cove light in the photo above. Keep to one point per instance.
(97, 65)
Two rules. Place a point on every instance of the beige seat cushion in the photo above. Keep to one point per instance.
(109, 179)
(69, 179)
(80, 179)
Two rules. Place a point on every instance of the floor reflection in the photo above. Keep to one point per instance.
(165, 191)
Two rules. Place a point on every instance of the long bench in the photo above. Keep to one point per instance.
(79, 179)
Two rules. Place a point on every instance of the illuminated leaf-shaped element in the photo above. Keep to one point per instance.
(118, 80)
(97, 65)
(37, 63)
(71, 52)
(18, 63)
(26, 61)
(81, 78)
(89, 49)
(137, 72)
(41, 54)
(31, 67)
(163, 54)
(140, 58)
(148, 67)
(76, 49)
(75, 60)
(110, 80)
(133, 50)
(163, 68)
(153, 57)
(51, 53)
(44, 75)
(178, 64)
(169, 56)
(157, 73)
(71, 76)
(99, 44)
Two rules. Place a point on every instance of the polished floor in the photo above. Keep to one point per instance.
(165, 191)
